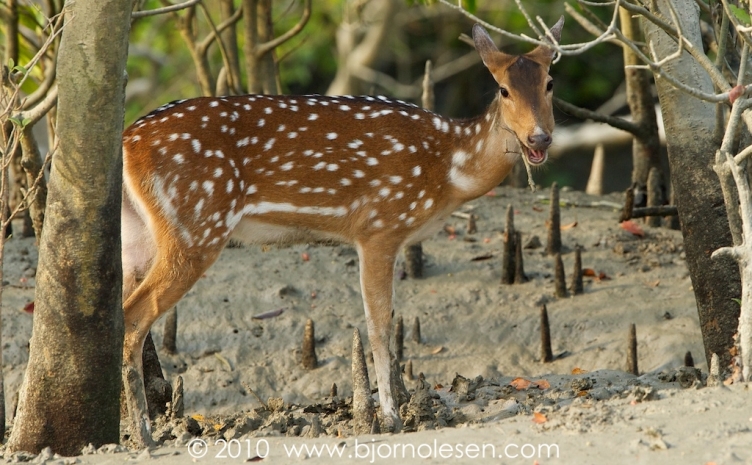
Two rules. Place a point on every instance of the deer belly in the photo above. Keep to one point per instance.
(252, 230)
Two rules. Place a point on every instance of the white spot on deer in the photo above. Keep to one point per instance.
(360, 116)
(370, 161)
(304, 190)
(281, 128)
(460, 180)
(261, 122)
(395, 179)
(415, 116)
(243, 142)
(386, 152)
(218, 172)
(355, 205)
(345, 182)
(428, 204)
(193, 186)
(274, 159)
(313, 117)
(268, 110)
(421, 194)
(292, 135)
(282, 105)
(331, 136)
(179, 159)
(378, 223)
(477, 128)
(437, 122)
(412, 149)
(457, 130)
(246, 107)
(173, 137)
(479, 146)
(410, 221)
(191, 108)
(331, 191)
(223, 128)
(417, 170)
(467, 131)
(230, 185)
(318, 190)
(359, 174)
(197, 208)
(384, 192)
(267, 207)
(460, 157)
(246, 160)
(425, 145)
(398, 147)
(361, 153)
(332, 167)
(344, 107)
(399, 195)
(374, 182)
(254, 140)
(154, 142)
(320, 165)
(287, 166)
(208, 187)
(413, 205)
(136, 138)
(213, 103)
(269, 144)
(445, 127)
(372, 214)
(223, 114)
(162, 150)
(355, 144)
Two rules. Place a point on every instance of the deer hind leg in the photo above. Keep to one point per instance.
(377, 284)
(171, 275)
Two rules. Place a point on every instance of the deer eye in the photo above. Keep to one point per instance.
(550, 85)
(504, 92)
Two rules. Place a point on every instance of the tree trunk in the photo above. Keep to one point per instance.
(70, 393)
(646, 145)
(692, 144)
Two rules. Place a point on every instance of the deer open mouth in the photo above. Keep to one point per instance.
(534, 157)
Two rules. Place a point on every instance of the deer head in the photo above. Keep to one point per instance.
(524, 102)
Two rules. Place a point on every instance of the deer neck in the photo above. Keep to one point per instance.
(485, 154)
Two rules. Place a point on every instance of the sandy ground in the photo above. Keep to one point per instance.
(584, 410)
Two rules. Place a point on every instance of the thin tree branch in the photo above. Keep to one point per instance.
(584, 113)
(165, 9)
(266, 47)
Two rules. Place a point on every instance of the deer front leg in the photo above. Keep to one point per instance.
(376, 283)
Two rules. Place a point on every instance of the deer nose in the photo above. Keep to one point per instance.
(539, 141)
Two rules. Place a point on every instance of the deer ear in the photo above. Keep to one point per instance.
(484, 45)
(547, 53)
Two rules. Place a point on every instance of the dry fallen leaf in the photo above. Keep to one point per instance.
(565, 227)
(542, 384)
(29, 308)
(437, 350)
(479, 258)
(632, 227)
(438, 387)
(449, 229)
(520, 384)
(578, 371)
(654, 283)
(539, 418)
(537, 209)
(265, 315)
(486, 240)
(588, 272)
(198, 417)
(305, 256)
(491, 193)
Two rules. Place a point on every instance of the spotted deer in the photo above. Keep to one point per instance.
(370, 171)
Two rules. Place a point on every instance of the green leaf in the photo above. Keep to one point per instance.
(741, 15)
(25, 122)
(738, 301)
(470, 5)
(20, 69)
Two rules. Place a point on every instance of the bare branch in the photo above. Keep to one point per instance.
(42, 108)
(167, 9)
(267, 47)
(584, 113)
